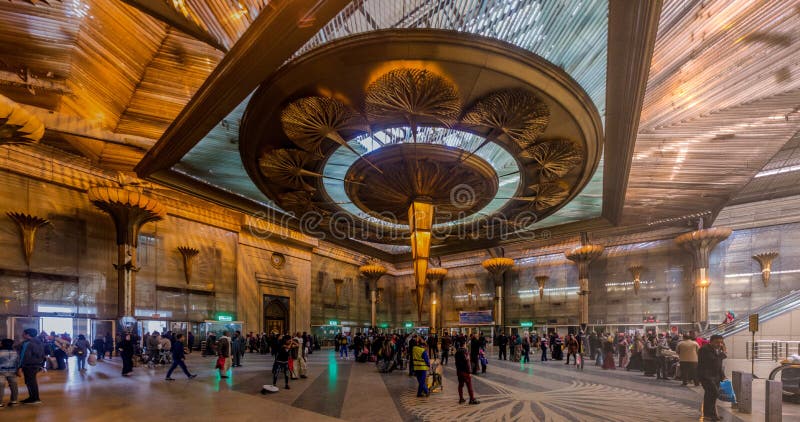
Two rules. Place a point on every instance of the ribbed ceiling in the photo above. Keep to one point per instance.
(723, 85)
(572, 35)
(111, 64)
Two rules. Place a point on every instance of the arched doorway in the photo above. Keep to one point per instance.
(276, 314)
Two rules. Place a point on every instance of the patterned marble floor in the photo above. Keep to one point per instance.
(342, 389)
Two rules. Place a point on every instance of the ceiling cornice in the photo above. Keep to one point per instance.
(274, 36)
(632, 28)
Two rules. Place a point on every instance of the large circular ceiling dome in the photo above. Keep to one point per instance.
(355, 131)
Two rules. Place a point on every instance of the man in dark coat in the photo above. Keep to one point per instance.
(710, 373)
(502, 343)
(178, 357)
(474, 348)
(31, 358)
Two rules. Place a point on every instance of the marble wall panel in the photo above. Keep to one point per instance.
(353, 307)
(257, 277)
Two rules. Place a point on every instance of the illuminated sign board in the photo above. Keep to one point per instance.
(409, 325)
(224, 318)
(526, 324)
(333, 322)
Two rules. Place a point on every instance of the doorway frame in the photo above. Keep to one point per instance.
(271, 285)
(282, 302)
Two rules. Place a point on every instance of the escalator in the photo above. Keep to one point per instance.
(766, 312)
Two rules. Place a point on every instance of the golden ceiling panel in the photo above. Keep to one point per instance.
(174, 74)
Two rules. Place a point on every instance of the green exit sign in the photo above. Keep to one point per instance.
(384, 325)
(409, 325)
(333, 322)
(526, 324)
(224, 318)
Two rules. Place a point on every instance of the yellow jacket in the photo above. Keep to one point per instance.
(420, 359)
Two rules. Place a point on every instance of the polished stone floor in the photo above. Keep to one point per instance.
(342, 389)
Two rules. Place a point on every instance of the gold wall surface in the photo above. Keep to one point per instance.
(71, 266)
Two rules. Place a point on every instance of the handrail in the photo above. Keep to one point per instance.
(771, 350)
(765, 312)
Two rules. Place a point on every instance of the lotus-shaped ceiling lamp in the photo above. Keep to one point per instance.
(17, 125)
(414, 96)
(555, 157)
(308, 121)
(515, 113)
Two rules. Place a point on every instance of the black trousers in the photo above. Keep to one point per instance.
(502, 355)
(29, 373)
(176, 363)
(711, 388)
(127, 364)
(445, 356)
(474, 361)
(280, 367)
(688, 371)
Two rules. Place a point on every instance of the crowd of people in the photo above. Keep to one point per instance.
(686, 357)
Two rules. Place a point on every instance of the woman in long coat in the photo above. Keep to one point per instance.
(608, 353)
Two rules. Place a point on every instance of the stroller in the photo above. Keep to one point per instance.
(434, 379)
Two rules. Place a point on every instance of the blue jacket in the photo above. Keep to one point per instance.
(31, 354)
(177, 351)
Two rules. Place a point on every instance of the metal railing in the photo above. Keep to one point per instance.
(766, 312)
(772, 350)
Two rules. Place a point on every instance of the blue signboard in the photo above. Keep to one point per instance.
(475, 318)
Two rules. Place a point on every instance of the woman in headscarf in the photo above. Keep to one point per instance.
(608, 353)
(622, 350)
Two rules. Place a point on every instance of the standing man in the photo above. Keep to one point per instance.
(502, 342)
(709, 368)
(445, 348)
(421, 363)
(281, 363)
(31, 358)
(109, 344)
(190, 343)
(100, 346)
(474, 348)
(464, 377)
(237, 347)
(178, 357)
(224, 354)
(687, 352)
(300, 361)
(433, 345)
